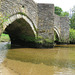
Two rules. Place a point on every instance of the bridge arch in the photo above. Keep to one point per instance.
(11, 19)
(56, 34)
(20, 27)
(57, 31)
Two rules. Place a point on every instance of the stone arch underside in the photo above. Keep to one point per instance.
(56, 34)
(57, 31)
(20, 29)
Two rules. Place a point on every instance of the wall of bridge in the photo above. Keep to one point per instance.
(9, 8)
(40, 20)
(61, 26)
(46, 22)
(64, 33)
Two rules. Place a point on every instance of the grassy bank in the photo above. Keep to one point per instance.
(4, 38)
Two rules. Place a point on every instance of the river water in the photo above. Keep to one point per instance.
(59, 60)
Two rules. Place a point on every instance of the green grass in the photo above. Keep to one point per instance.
(4, 38)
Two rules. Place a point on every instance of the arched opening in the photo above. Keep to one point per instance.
(56, 39)
(21, 32)
(56, 36)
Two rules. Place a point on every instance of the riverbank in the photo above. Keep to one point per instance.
(27, 68)
(6, 71)
(14, 67)
(20, 68)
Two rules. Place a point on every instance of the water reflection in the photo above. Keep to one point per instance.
(61, 57)
(54, 61)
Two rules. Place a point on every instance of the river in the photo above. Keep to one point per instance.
(59, 60)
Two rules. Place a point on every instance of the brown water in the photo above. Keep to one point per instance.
(31, 61)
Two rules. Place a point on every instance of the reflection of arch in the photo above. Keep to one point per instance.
(16, 17)
(57, 31)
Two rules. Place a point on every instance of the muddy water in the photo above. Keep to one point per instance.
(30, 61)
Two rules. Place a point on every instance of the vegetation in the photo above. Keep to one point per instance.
(65, 14)
(60, 12)
(72, 21)
(4, 38)
(72, 18)
(72, 25)
(72, 36)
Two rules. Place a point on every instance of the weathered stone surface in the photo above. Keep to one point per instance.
(61, 26)
(46, 21)
(11, 7)
(64, 25)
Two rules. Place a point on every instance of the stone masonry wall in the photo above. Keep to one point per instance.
(64, 23)
(41, 16)
(46, 21)
(57, 21)
(62, 26)
(11, 7)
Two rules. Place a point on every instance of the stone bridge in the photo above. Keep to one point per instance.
(28, 22)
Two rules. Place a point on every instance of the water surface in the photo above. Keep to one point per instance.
(59, 60)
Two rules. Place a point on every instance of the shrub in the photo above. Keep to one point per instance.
(72, 36)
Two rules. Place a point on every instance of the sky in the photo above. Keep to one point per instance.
(66, 5)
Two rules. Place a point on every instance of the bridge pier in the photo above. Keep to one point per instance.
(64, 32)
(61, 27)
(46, 24)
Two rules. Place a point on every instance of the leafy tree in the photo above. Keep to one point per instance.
(73, 9)
(72, 36)
(72, 19)
(65, 14)
(58, 10)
